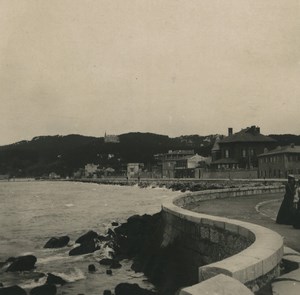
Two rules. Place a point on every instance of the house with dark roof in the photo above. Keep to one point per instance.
(240, 150)
(279, 162)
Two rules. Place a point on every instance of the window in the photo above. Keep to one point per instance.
(226, 153)
(244, 153)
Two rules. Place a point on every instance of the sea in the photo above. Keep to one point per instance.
(31, 212)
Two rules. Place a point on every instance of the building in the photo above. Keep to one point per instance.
(111, 138)
(90, 170)
(167, 161)
(134, 170)
(240, 150)
(180, 163)
(279, 162)
(186, 167)
(173, 155)
(54, 175)
(216, 151)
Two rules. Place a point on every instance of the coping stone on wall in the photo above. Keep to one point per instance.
(220, 284)
(263, 255)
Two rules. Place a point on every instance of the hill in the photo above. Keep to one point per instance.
(66, 154)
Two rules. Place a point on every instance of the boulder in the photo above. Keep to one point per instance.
(88, 237)
(13, 290)
(89, 243)
(44, 290)
(106, 261)
(109, 272)
(132, 289)
(111, 233)
(22, 263)
(92, 268)
(85, 248)
(57, 242)
(115, 264)
(114, 223)
(107, 292)
(55, 280)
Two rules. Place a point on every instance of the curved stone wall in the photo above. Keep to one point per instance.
(243, 251)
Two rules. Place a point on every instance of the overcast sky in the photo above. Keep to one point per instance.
(165, 66)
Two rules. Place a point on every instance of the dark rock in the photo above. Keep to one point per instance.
(88, 237)
(109, 272)
(111, 233)
(132, 289)
(92, 268)
(89, 243)
(114, 223)
(107, 292)
(1, 285)
(44, 290)
(56, 280)
(36, 276)
(102, 238)
(130, 236)
(106, 261)
(11, 259)
(14, 290)
(115, 264)
(22, 263)
(85, 248)
(57, 242)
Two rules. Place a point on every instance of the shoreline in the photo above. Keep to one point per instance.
(183, 184)
(175, 186)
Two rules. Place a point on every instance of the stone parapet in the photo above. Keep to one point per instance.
(246, 252)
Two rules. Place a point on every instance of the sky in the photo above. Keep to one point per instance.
(170, 67)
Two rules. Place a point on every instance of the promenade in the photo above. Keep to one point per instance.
(258, 209)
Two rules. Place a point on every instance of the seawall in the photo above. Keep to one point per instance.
(245, 253)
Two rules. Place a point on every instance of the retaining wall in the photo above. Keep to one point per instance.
(243, 251)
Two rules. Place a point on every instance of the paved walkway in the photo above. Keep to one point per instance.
(258, 209)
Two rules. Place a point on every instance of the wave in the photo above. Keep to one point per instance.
(33, 283)
(74, 275)
(70, 277)
(51, 258)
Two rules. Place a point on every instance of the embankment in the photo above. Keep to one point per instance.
(178, 248)
(246, 252)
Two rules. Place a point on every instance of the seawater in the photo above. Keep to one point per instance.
(33, 212)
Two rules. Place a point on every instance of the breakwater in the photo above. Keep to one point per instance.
(184, 184)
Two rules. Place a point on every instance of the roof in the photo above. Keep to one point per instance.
(249, 134)
(225, 161)
(216, 146)
(196, 156)
(289, 149)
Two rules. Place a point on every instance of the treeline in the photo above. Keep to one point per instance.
(66, 154)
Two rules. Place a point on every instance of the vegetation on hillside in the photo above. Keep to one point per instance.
(66, 154)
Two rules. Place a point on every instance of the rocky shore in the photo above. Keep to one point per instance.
(139, 240)
(182, 185)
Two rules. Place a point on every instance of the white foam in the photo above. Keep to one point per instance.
(33, 283)
(51, 258)
(69, 205)
(27, 253)
(72, 276)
